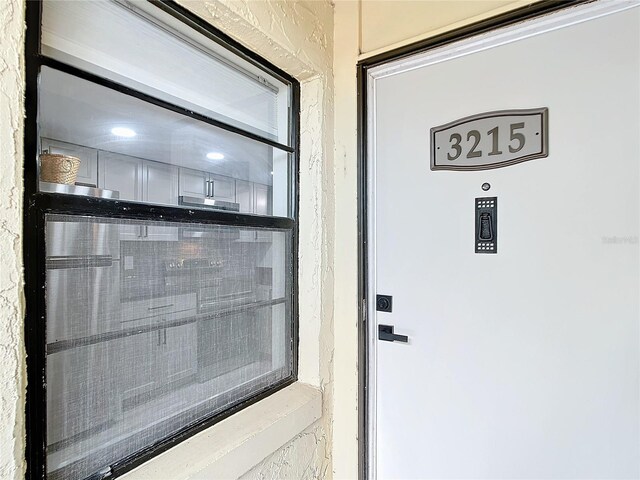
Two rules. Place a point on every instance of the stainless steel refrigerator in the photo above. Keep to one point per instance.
(82, 307)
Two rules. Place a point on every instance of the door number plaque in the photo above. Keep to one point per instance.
(490, 140)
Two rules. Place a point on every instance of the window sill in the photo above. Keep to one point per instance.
(238, 443)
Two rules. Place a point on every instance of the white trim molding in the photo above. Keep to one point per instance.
(234, 446)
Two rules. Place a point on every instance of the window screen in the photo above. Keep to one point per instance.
(153, 326)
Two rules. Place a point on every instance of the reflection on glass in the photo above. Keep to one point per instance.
(138, 45)
(152, 326)
(150, 154)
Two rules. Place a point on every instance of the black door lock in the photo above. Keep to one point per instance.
(384, 303)
(385, 332)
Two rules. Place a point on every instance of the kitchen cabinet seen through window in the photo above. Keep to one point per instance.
(141, 152)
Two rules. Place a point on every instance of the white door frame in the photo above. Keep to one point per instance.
(521, 23)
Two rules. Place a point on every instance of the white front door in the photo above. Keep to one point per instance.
(522, 363)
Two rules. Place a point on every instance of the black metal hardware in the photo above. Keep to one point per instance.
(160, 306)
(486, 232)
(486, 238)
(143, 231)
(384, 303)
(74, 261)
(385, 332)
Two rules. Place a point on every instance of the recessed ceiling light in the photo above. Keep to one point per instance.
(215, 156)
(123, 132)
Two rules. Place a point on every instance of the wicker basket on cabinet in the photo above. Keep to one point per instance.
(58, 168)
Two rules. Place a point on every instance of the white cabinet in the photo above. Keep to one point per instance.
(194, 183)
(155, 360)
(144, 181)
(261, 199)
(121, 173)
(262, 206)
(160, 186)
(178, 361)
(253, 197)
(137, 179)
(224, 188)
(88, 172)
(244, 196)
(159, 183)
(72, 380)
(138, 367)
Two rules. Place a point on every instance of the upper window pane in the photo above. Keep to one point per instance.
(149, 50)
(144, 153)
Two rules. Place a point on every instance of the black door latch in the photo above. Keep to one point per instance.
(385, 332)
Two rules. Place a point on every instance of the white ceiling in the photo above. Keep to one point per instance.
(77, 111)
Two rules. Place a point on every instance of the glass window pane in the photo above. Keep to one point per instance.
(147, 153)
(148, 334)
(139, 45)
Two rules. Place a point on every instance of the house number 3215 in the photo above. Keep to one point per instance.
(490, 140)
(474, 137)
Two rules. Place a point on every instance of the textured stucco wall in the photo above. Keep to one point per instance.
(12, 358)
(306, 457)
(298, 37)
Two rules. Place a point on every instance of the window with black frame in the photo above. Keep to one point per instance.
(160, 176)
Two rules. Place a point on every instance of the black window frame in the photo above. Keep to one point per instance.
(38, 204)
